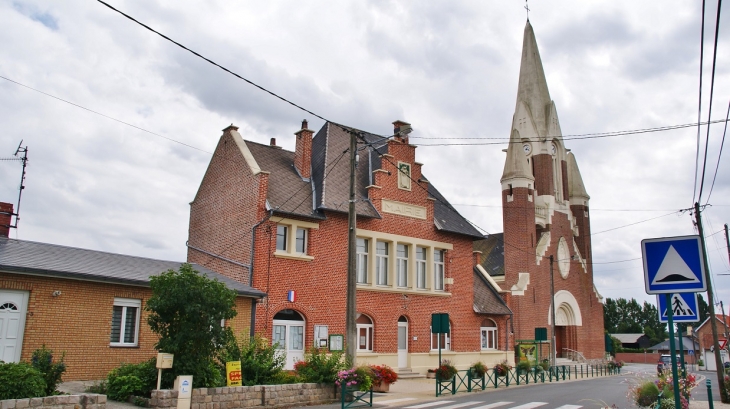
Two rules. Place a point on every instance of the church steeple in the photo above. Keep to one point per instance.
(516, 166)
(532, 89)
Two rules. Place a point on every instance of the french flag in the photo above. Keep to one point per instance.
(291, 296)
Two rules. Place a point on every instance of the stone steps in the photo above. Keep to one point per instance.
(407, 373)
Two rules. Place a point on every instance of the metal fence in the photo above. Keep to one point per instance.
(468, 381)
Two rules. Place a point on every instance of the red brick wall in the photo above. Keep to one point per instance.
(543, 170)
(225, 208)
(78, 323)
(6, 210)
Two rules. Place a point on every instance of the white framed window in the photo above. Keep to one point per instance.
(488, 335)
(364, 333)
(381, 262)
(401, 265)
(438, 270)
(441, 339)
(301, 241)
(282, 237)
(421, 267)
(292, 238)
(125, 322)
(362, 260)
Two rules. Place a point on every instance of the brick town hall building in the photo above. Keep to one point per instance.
(276, 220)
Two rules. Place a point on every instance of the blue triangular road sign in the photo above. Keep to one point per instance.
(673, 265)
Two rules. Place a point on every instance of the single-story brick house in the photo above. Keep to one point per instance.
(86, 304)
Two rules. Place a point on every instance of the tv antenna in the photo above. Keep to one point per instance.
(24, 158)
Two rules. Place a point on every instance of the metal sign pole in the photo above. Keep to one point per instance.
(672, 350)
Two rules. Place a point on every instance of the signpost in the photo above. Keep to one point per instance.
(673, 265)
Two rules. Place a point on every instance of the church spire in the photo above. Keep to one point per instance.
(532, 89)
(576, 188)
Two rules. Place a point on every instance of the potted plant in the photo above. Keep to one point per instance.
(431, 373)
(383, 377)
(502, 368)
(478, 370)
(446, 371)
(523, 367)
(359, 378)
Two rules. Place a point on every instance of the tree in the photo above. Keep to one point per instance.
(186, 310)
(627, 316)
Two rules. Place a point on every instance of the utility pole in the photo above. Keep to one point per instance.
(727, 242)
(552, 313)
(350, 325)
(713, 324)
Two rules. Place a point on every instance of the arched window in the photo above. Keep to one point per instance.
(489, 334)
(364, 333)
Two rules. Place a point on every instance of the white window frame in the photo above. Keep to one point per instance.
(485, 337)
(362, 260)
(369, 335)
(126, 304)
(291, 244)
(439, 267)
(401, 264)
(282, 231)
(421, 263)
(437, 339)
(382, 261)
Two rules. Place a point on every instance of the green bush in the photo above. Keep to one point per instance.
(42, 360)
(132, 379)
(260, 362)
(319, 367)
(20, 381)
(524, 366)
(283, 378)
(646, 394)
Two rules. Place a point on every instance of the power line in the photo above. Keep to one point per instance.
(592, 209)
(719, 155)
(632, 224)
(712, 90)
(699, 104)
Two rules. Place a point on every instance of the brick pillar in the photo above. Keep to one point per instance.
(303, 151)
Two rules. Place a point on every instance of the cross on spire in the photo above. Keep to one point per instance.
(528, 10)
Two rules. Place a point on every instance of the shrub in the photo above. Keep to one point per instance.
(523, 366)
(132, 379)
(645, 394)
(98, 388)
(320, 367)
(260, 362)
(284, 377)
(42, 360)
(545, 364)
(20, 381)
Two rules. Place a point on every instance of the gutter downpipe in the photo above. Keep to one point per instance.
(250, 271)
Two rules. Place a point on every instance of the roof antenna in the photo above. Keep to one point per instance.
(528, 10)
(24, 150)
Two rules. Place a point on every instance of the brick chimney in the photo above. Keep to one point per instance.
(401, 129)
(6, 213)
(303, 151)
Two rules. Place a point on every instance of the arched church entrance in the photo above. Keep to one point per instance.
(567, 320)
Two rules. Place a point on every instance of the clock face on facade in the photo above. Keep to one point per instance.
(553, 149)
(527, 148)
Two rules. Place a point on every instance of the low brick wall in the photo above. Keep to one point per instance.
(248, 396)
(648, 358)
(83, 401)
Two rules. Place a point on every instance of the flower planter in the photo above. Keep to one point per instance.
(383, 387)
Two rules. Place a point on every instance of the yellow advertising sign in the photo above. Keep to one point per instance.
(233, 373)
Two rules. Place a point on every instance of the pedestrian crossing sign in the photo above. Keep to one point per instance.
(673, 265)
(684, 307)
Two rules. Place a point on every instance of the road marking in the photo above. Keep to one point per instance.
(392, 401)
(529, 405)
(461, 405)
(428, 405)
(569, 407)
(493, 405)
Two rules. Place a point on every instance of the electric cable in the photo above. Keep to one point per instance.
(699, 103)
(712, 90)
(719, 155)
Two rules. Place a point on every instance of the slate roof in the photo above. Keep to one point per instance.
(43, 259)
(290, 194)
(628, 338)
(486, 298)
(687, 345)
(492, 248)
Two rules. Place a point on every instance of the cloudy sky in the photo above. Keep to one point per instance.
(448, 67)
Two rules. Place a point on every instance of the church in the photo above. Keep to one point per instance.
(545, 250)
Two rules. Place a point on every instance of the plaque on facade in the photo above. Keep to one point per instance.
(404, 209)
(404, 176)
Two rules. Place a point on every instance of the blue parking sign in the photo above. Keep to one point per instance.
(673, 265)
